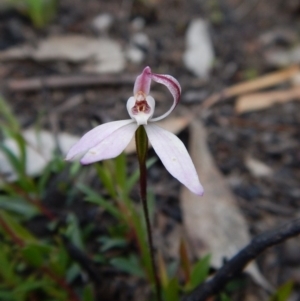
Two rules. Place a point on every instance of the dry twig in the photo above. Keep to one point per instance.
(58, 82)
(263, 82)
(235, 265)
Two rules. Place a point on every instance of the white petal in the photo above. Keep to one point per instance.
(95, 136)
(111, 146)
(175, 157)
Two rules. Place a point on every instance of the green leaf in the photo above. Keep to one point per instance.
(75, 168)
(35, 253)
(135, 176)
(171, 291)
(106, 178)
(17, 136)
(109, 243)
(7, 295)
(18, 164)
(120, 170)
(200, 271)
(99, 258)
(7, 267)
(18, 205)
(44, 179)
(41, 11)
(7, 113)
(93, 197)
(73, 272)
(283, 292)
(73, 231)
(224, 297)
(129, 265)
(13, 159)
(172, 268)
(235, 285)
(15, 227)
(30, 285)
(88, 294)
(59, 261)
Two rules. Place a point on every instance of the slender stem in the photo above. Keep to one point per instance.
(142, 147)
(143, 187)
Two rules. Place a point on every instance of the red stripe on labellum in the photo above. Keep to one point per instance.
(173, 86)
(171, 83)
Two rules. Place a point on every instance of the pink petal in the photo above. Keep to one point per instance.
(143, 82)
(95, 136)
(174, 87)
(175, 157)
(111, 146)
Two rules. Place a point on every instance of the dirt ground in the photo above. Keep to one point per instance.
(243, 34)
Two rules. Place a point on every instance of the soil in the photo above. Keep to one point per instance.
(237, 29)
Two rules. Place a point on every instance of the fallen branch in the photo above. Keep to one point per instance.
(235, 266)
(58, 81)
(263, 82)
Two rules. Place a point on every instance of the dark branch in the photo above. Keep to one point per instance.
(235, 265)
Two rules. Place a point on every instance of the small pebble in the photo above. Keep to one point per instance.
(102, 22)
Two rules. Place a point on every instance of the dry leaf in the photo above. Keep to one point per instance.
(260, 101)
(199, 54)
(102, 54)
(214, 223)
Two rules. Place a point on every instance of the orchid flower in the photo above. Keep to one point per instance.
(108, 140)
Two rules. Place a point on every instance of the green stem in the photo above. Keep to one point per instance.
(141, 141)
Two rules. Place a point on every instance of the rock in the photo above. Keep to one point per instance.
(134, 54)
(194, 96)
(138, 23)
(141, 40)
(282, 58)
(39, 151)
(102, 22)
(258, 168)
(199, 54)
(278, 36)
